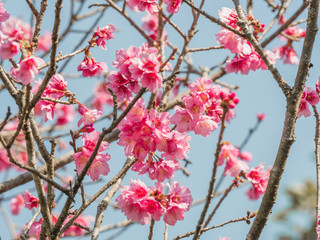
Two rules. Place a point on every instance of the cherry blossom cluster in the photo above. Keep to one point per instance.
(309, 96)
(99, 165)
(15, 34)
(236, 163)
(143, 132)
(246, 57)
(204, 108)
(141, 203)
(89, 66)
(151, 6)
(138, 67)
(286, 52)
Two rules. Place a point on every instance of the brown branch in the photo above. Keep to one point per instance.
(32, 8)
(213, 177)
(37, 29)
(151, 229)
(286, 24)
(316, 151)
(216, 226)
(205, 48)
(287, 139)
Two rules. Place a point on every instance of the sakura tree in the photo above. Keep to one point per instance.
(136, 113)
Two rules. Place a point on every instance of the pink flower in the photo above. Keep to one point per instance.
(4, 15)
(57, 86)
(150, 23)
(99, 165)
(173, 5)
(45, 42)
(287, 53)
(27, 69)
(35, 229)
(141, 203)
(245, 156)
(29, 200)
(259, 179)
(304, 109)
(9, 49)
(88, 116)
(178, 203)
(229, 16)
(16, 204)
(91, 68)
(106, 33)
(310, 96)
(142, 5)
(261, 116)
(233, 164)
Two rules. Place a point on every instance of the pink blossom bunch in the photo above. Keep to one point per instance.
(259, 178)
(56, 89)
(234, 164)
(141, 203)
(246, 57)
(99, 165)
(29, 200)
(143, 132)
(138, 67)
(104, 34)
(91, 68)
(88, 116)
(286, 52)
(27, 69)
(318, 228)
(173, 5)
(309, 96)
(143, 5)
(204, 108)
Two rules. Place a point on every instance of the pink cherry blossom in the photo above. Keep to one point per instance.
(287, 53)
(88, 116)
(45, 42)
(99, 165)
(233, 164)
(29, 200)
(35, 229)
(16, 204)
(28, 69)
(104, 34)
(91, 68)
(310, 96)
(142, 5)
(261, 116)
(259, 179)
(229, 16)
(9, 49)
(141, 203)
(304, 109)
(173, 5)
